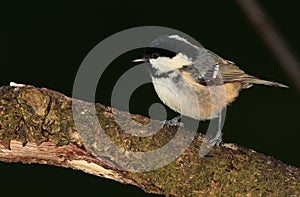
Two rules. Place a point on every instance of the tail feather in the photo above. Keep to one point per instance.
(231, 72)
(255, 80)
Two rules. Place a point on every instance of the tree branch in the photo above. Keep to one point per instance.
(36, 126)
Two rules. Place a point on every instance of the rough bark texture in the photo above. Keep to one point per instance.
(36, 126)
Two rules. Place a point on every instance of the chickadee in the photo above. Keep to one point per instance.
(194, 81)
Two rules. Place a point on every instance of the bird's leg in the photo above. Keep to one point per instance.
(173, 122)
(218, 137)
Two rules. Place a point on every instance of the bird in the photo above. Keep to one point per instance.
(194, 81)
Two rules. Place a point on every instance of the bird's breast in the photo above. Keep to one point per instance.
(192, 99)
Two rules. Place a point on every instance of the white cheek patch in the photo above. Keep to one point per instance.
(165, 64)
(160, 64)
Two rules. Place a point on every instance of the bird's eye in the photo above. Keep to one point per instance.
(155, 55)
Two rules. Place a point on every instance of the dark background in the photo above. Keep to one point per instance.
(43, 44)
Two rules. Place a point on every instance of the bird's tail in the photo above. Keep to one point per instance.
(255, 80)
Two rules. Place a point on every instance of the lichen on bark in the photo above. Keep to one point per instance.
(39, 117)
(35, 115)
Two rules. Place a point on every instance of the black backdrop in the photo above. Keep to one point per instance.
(43, 44)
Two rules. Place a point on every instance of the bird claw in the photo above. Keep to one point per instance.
(216, 140)
(173, 122)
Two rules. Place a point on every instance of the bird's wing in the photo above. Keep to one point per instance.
(230, 72)
(211, 69)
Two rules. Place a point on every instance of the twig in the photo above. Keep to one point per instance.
(272, 38)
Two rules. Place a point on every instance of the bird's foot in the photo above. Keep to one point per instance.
(209, 142)
(217, 139)
(173, 122)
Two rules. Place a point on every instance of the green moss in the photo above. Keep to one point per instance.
(223, 171)
(38, 115)
(30, 114)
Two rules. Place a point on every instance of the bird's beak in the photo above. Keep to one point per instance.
(139, 60)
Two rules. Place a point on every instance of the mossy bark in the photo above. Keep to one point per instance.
(36, 126)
